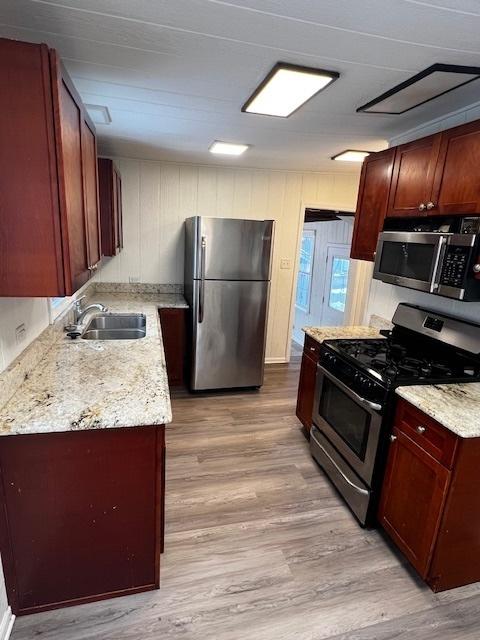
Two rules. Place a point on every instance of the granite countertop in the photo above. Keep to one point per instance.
(332, 333)
(455, 406)
(89, 384)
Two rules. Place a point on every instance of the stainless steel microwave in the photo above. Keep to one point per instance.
(446, 264)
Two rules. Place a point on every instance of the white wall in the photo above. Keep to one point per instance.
(33, 312)
(384, 298)
(158, 196)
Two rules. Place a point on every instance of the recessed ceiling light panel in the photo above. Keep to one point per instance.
(351, 155)
(228, 148)
(421, 88)
(286, 88)
(99, 113)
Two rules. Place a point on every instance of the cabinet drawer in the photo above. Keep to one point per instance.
(436, 440)
(311, 348)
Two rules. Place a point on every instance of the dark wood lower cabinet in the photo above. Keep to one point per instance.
(306, 383)
(430, 503)
(82, 515)
(174, 333)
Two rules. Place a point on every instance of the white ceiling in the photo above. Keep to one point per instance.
(175, 73)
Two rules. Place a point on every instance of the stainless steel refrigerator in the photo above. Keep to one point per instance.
(227, 283)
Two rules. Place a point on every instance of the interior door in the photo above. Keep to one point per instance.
(413, 173)
(229, 334)
(336, 285)
(235, 249)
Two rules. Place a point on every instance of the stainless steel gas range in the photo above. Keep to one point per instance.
(355, 394)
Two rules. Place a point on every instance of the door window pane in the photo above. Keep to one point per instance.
(304, 283)
(338, 283)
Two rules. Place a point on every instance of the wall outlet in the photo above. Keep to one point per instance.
(20, 333)
(133, 279)
(285, 264)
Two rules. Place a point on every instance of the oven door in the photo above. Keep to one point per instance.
(409, 259)
(351, 423)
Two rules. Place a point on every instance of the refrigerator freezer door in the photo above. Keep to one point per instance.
(232, 249)
(229, 343)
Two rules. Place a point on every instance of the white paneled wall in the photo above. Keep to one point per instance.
(384, 298)
(158, 196)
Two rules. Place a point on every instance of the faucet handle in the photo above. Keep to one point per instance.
(78, 302)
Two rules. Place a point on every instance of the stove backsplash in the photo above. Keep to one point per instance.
(384, 298)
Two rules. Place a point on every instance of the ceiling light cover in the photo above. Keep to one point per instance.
(286, 88)
(228, 148)
(351, 155)
(427, 85)
(99, 113)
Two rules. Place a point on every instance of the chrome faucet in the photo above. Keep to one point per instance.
(79, 313)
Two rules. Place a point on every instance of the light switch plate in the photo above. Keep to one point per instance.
(134, 279)
(285, 264)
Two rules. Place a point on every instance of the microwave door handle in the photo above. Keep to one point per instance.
(373, 406)
(201, 294)
(441, 246)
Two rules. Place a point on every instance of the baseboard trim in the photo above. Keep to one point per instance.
(276, 360)
(6, 624)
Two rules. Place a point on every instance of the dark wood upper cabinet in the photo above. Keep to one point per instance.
(49, 209)
(110, 194)
(456, 187)
(413, 175)
(372, 203)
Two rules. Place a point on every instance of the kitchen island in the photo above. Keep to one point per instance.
(82, 459)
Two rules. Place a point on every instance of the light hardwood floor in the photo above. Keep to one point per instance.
(260, 547)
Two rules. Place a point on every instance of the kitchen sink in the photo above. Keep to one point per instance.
(116, 326)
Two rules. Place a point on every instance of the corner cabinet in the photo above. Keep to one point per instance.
(110, 196)
(430, 499)
(438, 175)
(50, 239)
(372, 203)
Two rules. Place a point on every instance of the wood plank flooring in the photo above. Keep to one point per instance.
(260, 547)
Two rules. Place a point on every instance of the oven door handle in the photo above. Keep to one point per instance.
(373, 406)
(346, 478)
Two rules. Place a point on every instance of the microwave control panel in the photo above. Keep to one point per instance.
(454, 266)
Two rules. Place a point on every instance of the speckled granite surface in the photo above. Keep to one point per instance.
(96, 384)
(455, 406)
(332, 333)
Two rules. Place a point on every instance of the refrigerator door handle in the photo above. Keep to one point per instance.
(201, 295)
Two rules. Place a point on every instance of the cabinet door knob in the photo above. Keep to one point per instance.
(476, 268)
(421, 429)
(422, 207)
(312, 348)
(430, 206)
(393, 438)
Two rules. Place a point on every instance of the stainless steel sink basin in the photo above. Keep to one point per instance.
(116, 326)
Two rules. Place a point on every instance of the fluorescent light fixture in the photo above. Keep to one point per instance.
(286, 88)
(427, 85)
(351, 155)
(228, 148)
(99, 113)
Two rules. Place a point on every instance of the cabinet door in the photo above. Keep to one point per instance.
(89, 157)
(413, 496)
(412, 180)
(372, 203)
(119, 218)
(173, 323)
(306, 390)
(457, 177)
